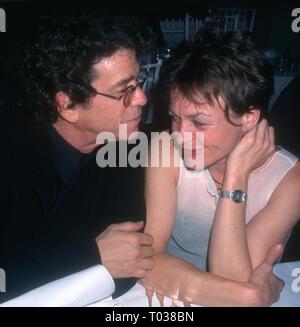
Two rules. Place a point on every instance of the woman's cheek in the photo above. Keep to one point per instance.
(175, 126)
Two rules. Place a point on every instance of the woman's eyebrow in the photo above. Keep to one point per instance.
(171, 113)
(196, 114)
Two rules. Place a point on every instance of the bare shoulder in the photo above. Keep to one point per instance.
(290, 185)
(293, 176)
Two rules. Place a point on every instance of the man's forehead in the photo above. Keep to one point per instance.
(121, 67)
(119, 56)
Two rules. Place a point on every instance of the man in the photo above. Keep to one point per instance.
(60, 212)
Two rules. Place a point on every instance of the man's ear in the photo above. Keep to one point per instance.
(250, 119)
(65, 108)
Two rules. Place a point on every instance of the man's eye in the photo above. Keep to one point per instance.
(129, 88)
(123, 90)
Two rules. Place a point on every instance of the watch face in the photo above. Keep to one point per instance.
(238, 196)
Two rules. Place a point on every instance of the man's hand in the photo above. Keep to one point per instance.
(267, 285)
(124, 251)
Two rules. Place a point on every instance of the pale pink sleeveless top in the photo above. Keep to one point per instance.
(196, 204)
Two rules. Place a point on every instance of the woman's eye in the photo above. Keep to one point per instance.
(198, 124)
(174, 119)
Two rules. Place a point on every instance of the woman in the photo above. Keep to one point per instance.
(225, 217)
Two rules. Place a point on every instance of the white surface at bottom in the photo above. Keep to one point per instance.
(87, 287)
(136, 297)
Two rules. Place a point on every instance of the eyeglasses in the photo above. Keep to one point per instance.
(127, 92)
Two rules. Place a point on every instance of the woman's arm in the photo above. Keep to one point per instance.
(160, 193)
(236, 248)
(274, 223)
(177, 279)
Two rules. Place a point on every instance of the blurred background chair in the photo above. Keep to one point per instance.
(148, 87)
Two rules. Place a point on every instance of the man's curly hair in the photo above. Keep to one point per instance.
(64, 53)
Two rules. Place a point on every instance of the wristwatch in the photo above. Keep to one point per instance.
(237, 196)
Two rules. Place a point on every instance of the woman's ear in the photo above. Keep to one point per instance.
(250, 119)
(65, 108)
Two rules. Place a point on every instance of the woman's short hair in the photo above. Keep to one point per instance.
(231, 68)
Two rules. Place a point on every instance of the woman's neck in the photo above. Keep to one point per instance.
(217, 172)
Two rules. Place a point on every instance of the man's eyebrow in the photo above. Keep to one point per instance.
(124, 81)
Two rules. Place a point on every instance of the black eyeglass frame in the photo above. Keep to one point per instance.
(126, 96)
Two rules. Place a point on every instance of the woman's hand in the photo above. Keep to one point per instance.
(229, 254)
(267, 285)
(253, 150)
(168, 279)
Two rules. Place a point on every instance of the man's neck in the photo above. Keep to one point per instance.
(83, 142)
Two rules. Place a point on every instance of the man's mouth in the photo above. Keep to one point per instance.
(135, 119)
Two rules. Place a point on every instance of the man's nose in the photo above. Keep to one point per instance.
(139, 98)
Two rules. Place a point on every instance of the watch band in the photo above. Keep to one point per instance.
(237, 196)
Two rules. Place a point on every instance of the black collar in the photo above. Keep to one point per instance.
(67, 158)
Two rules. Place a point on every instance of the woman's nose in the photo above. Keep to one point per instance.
(185, 127)
(183, 132)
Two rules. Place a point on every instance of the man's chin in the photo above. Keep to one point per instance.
(129, 131)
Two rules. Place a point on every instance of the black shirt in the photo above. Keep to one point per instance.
(54, 202)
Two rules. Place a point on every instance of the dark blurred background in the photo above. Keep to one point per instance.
(271, 29)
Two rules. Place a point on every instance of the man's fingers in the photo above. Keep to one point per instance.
(128, 226)
(143, 266)
(140, 273)
(274, 254)
(147, 251)
(145, 239)
(146, 263)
